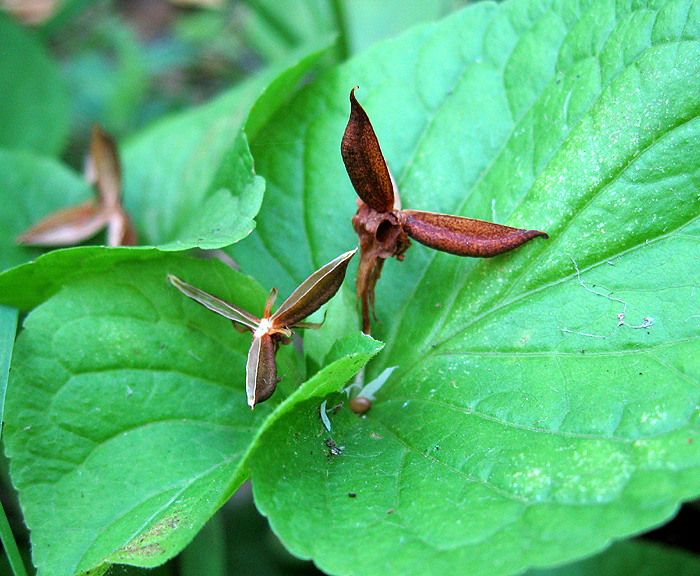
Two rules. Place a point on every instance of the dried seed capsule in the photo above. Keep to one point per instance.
(261, 369)
(365, 162)
(274, 329)
(384, 228)
(76, 224)
(464, 236)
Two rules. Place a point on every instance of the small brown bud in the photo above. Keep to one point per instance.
(360, 404)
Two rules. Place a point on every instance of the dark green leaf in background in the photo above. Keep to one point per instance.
(535, 414)
(34, 111)
(637, 557)
(108, 86)
(274, 28)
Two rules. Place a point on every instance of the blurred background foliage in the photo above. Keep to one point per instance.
(125, 64)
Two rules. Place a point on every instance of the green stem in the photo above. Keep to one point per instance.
(342, 28)
(359, 380)
(274, 22)
(8, 542)
(206, 554)
(8, 329)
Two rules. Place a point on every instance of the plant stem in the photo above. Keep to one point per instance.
(359, 380)
(8, 329)
(342, 28)
(206, 554)
(8, 542)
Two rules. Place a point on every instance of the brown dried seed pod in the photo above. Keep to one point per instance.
(274, 329)
(384, 229)
(464, 236)
(261, 368)
(364, 160)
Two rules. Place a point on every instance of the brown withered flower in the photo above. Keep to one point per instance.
(384, 229)
(73, 225)
(273, 329)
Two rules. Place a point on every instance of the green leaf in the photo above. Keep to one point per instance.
(189, 180)
(274, 28)
(271, 28)
(279, 91)
(132, 424)
(28, 285)
(349, 354)
(340, 318)
(126, 422)
(34, 112)
(368, 21)
(637, 557)
(34, 187)
(169, 172)
(205, 187)
(528, 422)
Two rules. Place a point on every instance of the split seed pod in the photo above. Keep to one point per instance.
(385, 230)
(273, 329)
(73, 225)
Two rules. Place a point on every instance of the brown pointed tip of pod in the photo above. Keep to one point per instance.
(105, 157)
(464, 236)
(264, 392)
(360, 404)
(364, 161)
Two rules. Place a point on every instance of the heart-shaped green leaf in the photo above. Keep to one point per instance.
(126, 420)
(34, 111)
(136, 388)
(545, 401)
(170, 170)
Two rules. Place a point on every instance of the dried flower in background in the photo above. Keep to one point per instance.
(73, 225)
